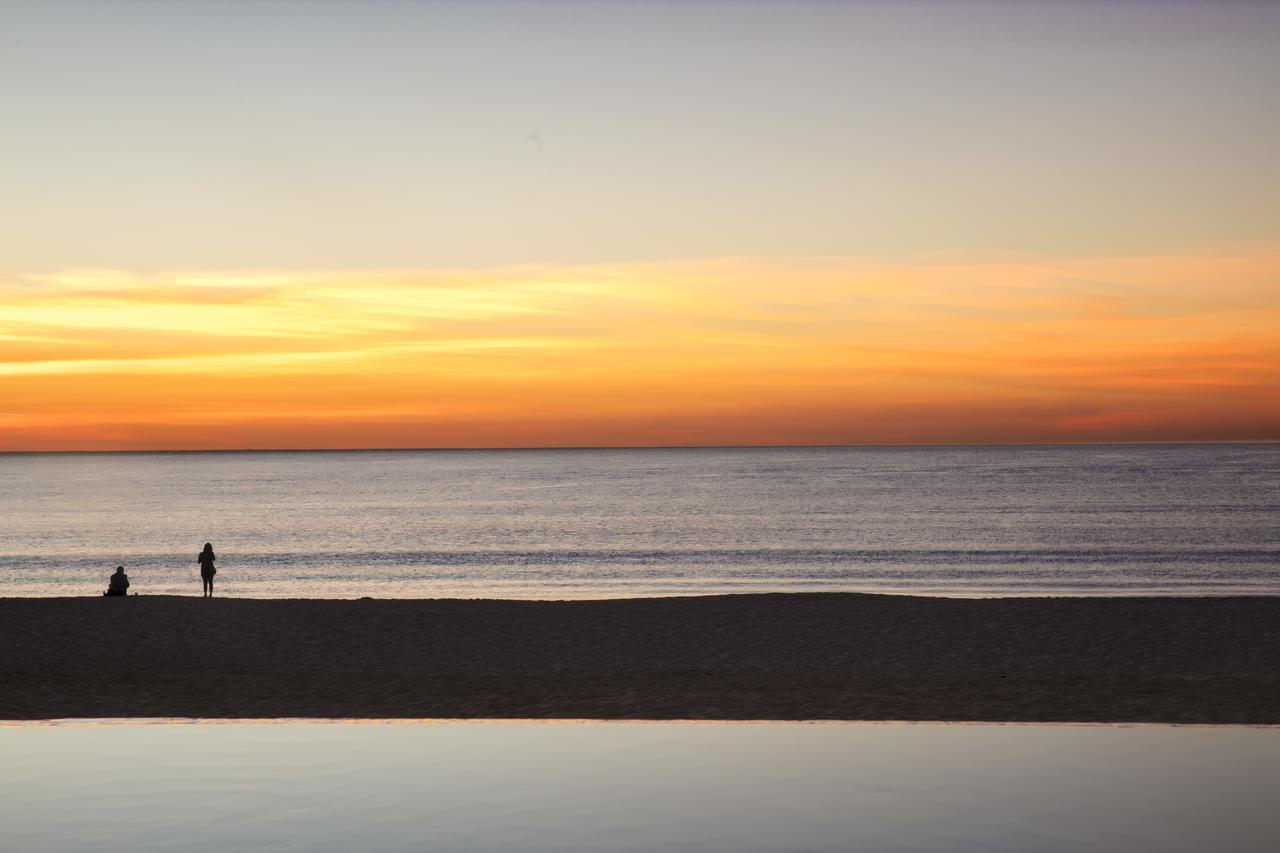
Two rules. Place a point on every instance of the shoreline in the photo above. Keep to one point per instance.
(96, 722)
(814, 657)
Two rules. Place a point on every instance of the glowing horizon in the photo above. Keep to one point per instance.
(727, 351)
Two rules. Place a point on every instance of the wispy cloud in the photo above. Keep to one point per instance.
(703, 352)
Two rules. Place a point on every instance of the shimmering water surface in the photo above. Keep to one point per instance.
(1118, 519)
(633, 787)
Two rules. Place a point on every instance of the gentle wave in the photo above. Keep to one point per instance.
(707, 557)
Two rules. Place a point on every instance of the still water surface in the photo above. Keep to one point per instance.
(560, 786)
(1089, 520)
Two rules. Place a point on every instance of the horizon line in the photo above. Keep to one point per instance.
(535, 448)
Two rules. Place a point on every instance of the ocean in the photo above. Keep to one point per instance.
(1198, 519)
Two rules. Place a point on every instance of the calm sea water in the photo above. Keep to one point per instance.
(1089, 520)
(481, 787)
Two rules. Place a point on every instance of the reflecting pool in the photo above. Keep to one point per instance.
(573, 786)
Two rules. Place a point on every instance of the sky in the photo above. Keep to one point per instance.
(231, 225)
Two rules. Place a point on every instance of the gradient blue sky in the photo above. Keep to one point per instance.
(403, 134)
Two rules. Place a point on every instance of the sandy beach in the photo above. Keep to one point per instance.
(738, 657)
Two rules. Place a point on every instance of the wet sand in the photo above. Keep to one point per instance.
(737, 657)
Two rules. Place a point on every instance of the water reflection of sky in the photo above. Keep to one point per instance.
(347, 786)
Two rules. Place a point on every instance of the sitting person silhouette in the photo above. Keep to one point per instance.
(119, 583)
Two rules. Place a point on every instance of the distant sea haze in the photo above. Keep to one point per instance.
(971, 521)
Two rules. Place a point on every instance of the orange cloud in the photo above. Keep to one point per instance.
(709, 352)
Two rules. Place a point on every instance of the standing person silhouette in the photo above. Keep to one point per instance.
(207, 571)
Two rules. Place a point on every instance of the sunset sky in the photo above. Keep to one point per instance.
(333, 224)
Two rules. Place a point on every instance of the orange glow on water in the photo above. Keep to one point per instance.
(709, 352)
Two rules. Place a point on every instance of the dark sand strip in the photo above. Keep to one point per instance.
(819, 656)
